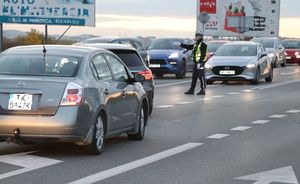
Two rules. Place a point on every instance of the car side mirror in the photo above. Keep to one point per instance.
(139, 78)
(264, 54)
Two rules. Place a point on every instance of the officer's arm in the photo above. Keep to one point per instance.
(203, 53)
(186, 46)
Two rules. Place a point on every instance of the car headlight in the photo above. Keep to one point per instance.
(271, 55)
(250, 65)
(174, 55)
(208, 66)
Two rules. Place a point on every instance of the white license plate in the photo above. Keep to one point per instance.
(20, 102)
(227, 72)
(154, 66)
(288, 57)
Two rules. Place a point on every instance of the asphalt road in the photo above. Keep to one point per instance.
(235, 131)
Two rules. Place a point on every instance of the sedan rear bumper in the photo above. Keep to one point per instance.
(66, 126)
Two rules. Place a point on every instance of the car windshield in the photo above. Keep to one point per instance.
(237, 50)
(130, 58)
(37, 65)
(291, 44)
(213, 47)
(267, 43)
(165, 44)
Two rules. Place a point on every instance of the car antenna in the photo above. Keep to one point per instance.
(44, 50)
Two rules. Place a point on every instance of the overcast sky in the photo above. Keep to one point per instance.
(179, 8)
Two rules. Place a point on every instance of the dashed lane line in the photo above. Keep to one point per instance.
(278, 116)
(100, 176)
(260, 122)
(218, 96)
(293, 111)
(218, 136)
(184, 103)
(248, 91)
(164, 106)
(241, 128)
(234, 93)
(276, 84)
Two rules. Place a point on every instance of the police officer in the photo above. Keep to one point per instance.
(199, 57)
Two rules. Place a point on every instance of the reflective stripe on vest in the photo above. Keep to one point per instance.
(198, 54)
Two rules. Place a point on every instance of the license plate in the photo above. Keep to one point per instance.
(288, 57)
(227, 72)
(20, 102)
(154, 66)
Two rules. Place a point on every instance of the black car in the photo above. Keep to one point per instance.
(134, 62)
(134, 42)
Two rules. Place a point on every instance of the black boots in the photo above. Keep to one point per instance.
(189, 92)
(202, 92)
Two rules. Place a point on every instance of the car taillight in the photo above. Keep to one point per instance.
(147, 74)
(73, 95)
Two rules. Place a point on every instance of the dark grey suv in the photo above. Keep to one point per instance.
(133, 61)
(134, 42)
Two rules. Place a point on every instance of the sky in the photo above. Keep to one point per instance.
(158, 18)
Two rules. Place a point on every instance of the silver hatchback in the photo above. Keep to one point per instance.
(69, 94)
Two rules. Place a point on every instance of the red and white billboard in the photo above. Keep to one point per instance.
(251, 18)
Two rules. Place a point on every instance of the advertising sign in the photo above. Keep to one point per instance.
(50, 12)
(251, 18)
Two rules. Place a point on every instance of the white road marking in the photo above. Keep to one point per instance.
(203, 99)
(247, 90)
(218, 136)
(276, 84)
(100, 176)
(164, 106)
(260, 122)
(289, 73)
(282, 175)
(28, 162)
(184, 103)
(241, 128)
(234, 93)
(278, 116)
(218, 96)
(293, 111)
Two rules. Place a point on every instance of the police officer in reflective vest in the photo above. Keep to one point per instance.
(199, 57)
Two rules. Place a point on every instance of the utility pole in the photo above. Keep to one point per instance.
(46, 34)
(1, 37)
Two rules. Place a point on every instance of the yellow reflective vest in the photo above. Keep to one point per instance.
(198, 53)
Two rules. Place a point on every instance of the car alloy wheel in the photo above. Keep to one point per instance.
(141, 130)
(99, 136)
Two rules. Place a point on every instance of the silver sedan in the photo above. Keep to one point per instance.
(69, 94)
(239, 61)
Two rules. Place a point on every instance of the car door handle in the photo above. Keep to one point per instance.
(106, 92)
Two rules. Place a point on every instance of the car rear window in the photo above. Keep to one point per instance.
(291, 44)
(38, 65)
(130, 58)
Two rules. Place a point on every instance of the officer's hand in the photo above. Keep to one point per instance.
(202, 65)
(198, 66)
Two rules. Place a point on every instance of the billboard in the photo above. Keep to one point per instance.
(251, 18)
(50, 12)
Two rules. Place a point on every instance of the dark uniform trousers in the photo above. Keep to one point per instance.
(198, 73)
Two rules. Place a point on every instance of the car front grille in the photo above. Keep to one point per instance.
(158, 61)
(238, 70)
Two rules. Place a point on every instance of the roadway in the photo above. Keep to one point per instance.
(236, 130)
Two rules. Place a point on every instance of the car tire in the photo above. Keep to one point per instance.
(142, 124)
(98, 136)
(257, 77)
(276, 63)
(150, 107)
(182, 73)
(270, 77)
(209, 82)
(284, 63)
